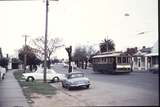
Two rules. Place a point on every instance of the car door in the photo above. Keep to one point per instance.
(50, 75)
(39, 75)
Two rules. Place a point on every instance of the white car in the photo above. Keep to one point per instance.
(2, 73)
(65, 65)
(72, 64)
(51, 75)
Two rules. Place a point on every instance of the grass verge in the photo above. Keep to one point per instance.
(34, 87)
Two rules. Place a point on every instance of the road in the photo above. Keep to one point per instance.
(143, 80)
(134, 89)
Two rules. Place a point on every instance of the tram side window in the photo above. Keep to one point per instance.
(109, 60)
(106, 59)
(103, 59)
(129, 60)
(119, 59)
(97, 60)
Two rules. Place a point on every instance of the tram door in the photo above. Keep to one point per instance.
(139, 63)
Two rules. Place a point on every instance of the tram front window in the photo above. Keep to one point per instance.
(124, 60)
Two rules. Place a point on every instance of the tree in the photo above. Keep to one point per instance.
(31, 59)
(107, 45)
(69, 51)
(90, 53)
(4, 62)
(132, 51)
(52, 46)
(82, 55)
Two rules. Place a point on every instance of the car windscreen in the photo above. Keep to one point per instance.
(78, 75)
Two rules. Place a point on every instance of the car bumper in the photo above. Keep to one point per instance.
(78, 85)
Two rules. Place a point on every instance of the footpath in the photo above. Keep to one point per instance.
(11, 94)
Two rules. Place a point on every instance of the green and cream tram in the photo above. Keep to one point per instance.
(112, 62)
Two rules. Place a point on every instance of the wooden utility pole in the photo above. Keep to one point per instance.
(45, 42)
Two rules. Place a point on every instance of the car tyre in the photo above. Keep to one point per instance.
(68, 87)
(63, 85)
(30, 79)
(87, 86)
(55, 79)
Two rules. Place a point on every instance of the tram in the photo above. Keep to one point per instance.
(112, 62)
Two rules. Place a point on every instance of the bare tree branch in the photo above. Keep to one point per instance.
(52, 46)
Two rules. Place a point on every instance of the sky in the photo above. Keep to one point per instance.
(79, 22)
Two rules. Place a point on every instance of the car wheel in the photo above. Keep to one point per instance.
(30, 79)
(55, 79)
(68, 87)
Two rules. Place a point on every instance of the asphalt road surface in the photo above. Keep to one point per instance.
(134, 89)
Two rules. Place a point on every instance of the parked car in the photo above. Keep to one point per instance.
(75, 80)
(65, 65)
(39, 75)
(2, 73)
(72, 64)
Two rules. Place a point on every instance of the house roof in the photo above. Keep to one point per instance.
(139, 53)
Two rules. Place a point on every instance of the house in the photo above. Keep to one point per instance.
(145, 58)
(15, 63)
(152, 58)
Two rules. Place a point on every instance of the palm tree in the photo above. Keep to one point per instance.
(107, 45)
